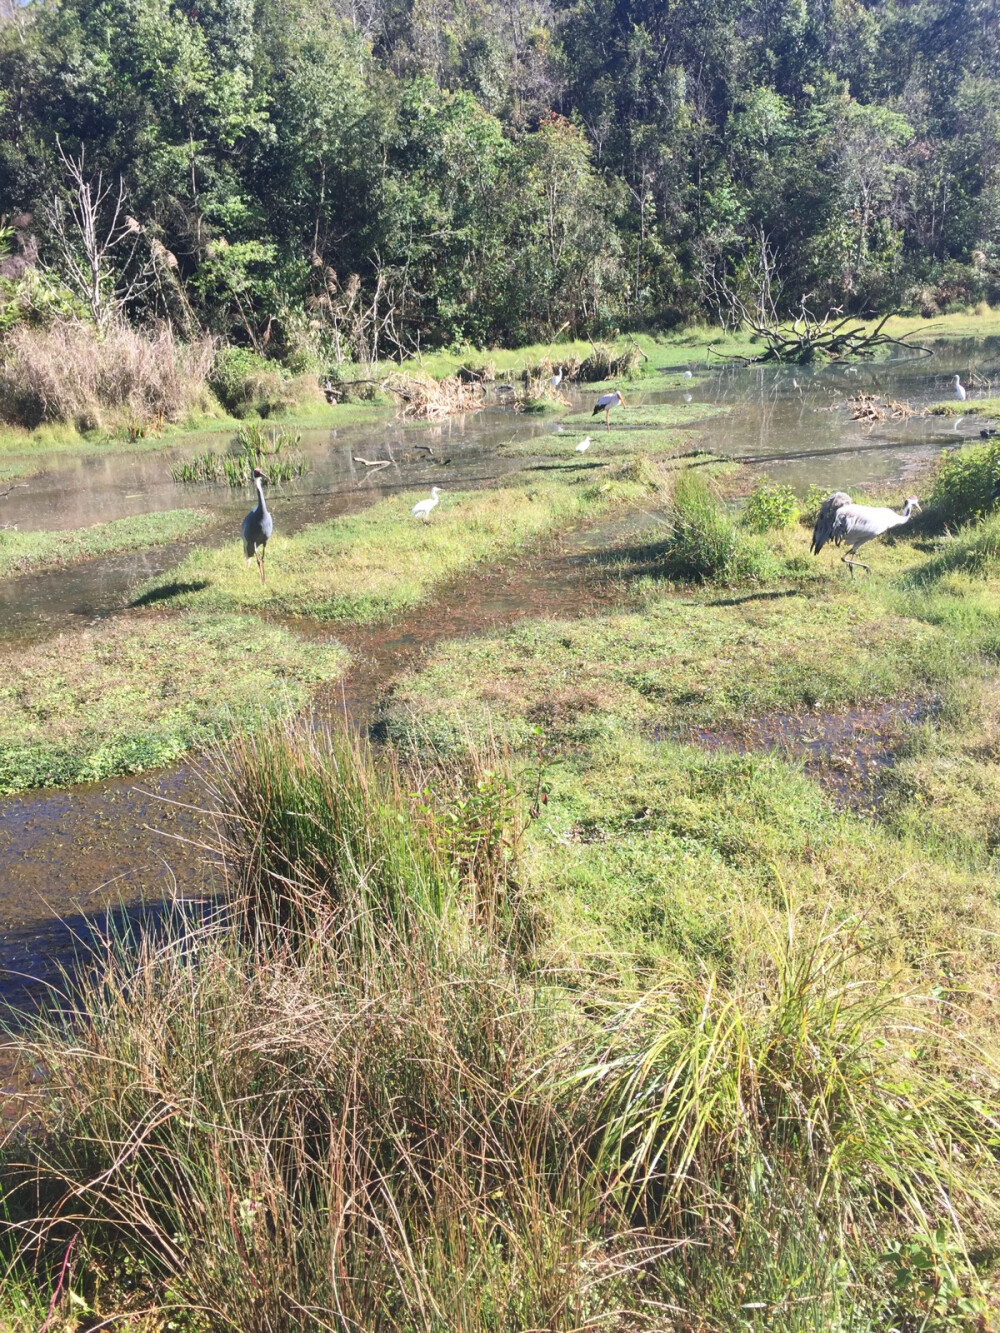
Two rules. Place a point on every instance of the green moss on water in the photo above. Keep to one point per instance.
(24, 551)
(143, 690)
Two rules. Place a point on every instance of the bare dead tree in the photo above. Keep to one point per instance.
(746, 295)
(99, 242)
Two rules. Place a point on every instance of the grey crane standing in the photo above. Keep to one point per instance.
(257, 527)
(853, 525)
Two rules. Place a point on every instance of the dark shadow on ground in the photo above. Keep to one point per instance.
(166, 591)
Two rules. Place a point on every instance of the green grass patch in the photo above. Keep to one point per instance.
(368, 566)
(144, 689)
(23, 551)
(982, 407)
(680, 662)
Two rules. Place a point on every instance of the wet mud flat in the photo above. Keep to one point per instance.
(847, 751)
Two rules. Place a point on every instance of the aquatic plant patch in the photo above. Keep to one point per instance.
(143, 690)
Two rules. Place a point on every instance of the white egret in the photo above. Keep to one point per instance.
(853, 525)
(960, 393)
(557, 378)
(687, 374)
(605, 403)
(583, 446)
(423, 509)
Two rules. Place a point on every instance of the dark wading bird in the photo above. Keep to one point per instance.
(257, 527)
(605, 403)
(853, 525)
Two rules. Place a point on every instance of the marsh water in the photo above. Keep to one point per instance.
(68, 857)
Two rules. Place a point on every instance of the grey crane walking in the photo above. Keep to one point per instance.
(257, 527)
(841, 520)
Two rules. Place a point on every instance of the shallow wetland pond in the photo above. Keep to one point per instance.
(69, 855)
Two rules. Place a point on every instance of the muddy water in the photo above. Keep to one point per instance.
(794, 422)
(66, 857)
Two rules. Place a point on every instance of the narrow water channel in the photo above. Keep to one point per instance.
(67, 857)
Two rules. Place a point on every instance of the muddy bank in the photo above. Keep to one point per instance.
(847, 751)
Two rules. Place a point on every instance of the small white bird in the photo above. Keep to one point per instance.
(687, 397)
(687, 374)
(423, 509)
(605, 403)
(557, 378)
(959, 390)
(583, 446)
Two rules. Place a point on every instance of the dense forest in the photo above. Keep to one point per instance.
(364, 176)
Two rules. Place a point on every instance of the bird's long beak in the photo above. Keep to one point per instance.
(916, 506)
(621, 400)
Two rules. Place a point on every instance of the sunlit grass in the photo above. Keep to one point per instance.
(44, 549)
(367, 566)
(142, 690)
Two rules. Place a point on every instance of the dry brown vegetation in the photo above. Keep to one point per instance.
(68, 372)
(426, 399)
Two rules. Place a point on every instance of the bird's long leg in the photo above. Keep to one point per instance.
(263, 553)
(607, 418)
(846, 559)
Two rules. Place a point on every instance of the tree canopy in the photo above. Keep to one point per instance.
(399, 173)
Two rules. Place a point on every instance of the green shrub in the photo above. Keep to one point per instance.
(244, 382)
(771, 505)
(707, 545)
(964, 481)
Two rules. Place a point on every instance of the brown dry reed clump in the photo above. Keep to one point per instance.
(68, 372)
(355, 1098)
(422, 398)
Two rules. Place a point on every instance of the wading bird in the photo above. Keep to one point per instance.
(853, 525)
(557, 378)
(605, 403)
(688, 375)
(583, 446)
(959, 390)
(423, 509)
(257, 527)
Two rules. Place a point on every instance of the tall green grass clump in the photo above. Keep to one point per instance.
(707, 545)
(275, 452)
(963, 483)
(346, 1101)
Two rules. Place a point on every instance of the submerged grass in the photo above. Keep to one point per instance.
(364, 567)
(366, 1098)
(23, 551)
(144, 689)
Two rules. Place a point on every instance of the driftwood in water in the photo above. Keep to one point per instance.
(869, 409)
(809, 338)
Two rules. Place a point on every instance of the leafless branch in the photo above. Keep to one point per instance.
(98, 241)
